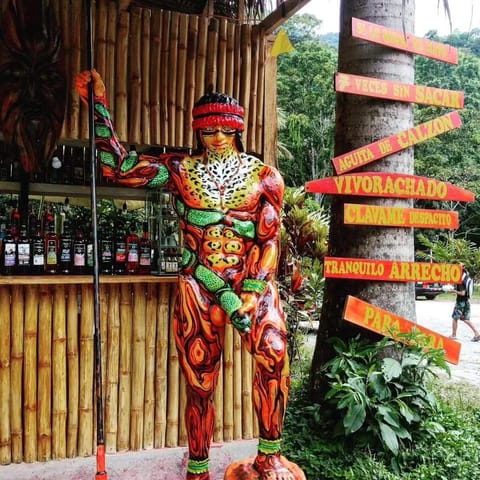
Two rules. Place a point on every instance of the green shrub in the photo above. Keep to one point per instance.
(383, 398)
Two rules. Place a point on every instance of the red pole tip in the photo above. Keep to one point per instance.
(101, 475)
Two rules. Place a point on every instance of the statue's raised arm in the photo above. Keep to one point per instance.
(117, 164)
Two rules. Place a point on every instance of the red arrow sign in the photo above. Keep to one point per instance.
(390, 185)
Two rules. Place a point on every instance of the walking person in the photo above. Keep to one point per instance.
(461, 309)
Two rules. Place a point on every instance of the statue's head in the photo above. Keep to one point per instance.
(32, 80)
(215, 110)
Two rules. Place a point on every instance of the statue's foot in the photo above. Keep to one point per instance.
(198, 476)
(270, 467)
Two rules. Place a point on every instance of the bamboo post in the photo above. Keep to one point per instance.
(113, 355)
(44, 399)
(259, 117)
(135, 94)
(150, 343)
(59, 375)
(172, 77)
(161, 379)
(155, 75)
(5, 391)
(101, 16)
(73, 370)
(16, 366)
(252, 106)
(85, 403)
(247, 394)
(104, 295)
(211, 78)
(246, 77)
(145, 75)
(218, 399)
(30, 374)
(182, 405)
(180, 90)
(270, 131)
(70, 123)
(237, 61)
(201, 58)
(190, 79)
(237, 386)
(121, 75)
(165, 77)
(228, 397)
(222, 56)
(255, 426)
(124, 387)
(138, 367)
(230, 55)
(173, 379)
(110, 72)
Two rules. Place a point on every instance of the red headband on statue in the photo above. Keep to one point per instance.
(212, 114)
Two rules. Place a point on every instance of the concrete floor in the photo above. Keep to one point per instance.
(162, 464)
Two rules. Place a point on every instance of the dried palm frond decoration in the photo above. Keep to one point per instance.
(254, 9)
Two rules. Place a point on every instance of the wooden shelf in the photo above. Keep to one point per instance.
(79, 191)
(84, 279)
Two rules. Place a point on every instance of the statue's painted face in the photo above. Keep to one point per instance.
(32, 80)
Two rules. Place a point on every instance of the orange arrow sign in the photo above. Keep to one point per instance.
(388, 324)
(401, 92)
(401, 41)
(389, 145)
(390, 185)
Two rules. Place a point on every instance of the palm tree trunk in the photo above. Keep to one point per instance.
(360, 121)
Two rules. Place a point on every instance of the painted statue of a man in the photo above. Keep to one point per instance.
(229, 206)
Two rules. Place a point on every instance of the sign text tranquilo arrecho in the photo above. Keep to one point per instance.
(391, 270)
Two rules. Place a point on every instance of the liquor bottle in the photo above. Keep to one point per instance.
(52, 249)
(24, 258)
(15, 223)
(132, 250)
(161, 262)
(106, 252)
(38, 250)
(79, 253)
(66, 249)
(9, 254)
(47, 220)
(119, 251)
(89, 253)
(3, 232)
(145, 260)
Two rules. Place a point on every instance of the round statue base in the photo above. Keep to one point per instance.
(244, 470)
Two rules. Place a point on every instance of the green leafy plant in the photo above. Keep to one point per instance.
(381, 398)
(300, 274)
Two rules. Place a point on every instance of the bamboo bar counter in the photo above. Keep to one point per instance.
(47, 369)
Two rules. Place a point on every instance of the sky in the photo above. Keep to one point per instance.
(465, 15)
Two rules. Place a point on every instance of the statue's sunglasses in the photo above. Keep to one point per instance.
(210, 132)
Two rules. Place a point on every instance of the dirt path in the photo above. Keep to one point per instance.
(436, 315)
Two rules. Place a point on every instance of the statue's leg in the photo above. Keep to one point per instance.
(199, 339)
(268, 345)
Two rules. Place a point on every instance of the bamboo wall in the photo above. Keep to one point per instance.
(47, 397)
(157, 63)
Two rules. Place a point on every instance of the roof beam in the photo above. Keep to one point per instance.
(278, 17)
